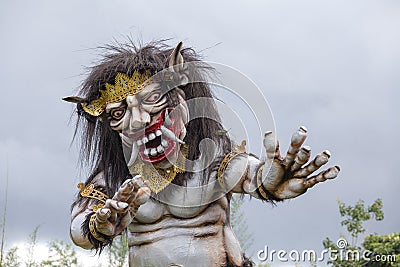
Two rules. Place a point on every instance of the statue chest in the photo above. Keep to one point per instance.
(181, 201)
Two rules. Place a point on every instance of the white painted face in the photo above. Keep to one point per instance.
(148, 126)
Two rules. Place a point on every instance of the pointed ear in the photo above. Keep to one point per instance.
(176, 64)
(175, 60)
(73, 99)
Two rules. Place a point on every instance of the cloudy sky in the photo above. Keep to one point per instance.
(332, 66)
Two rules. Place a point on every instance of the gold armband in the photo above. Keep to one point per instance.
(90, 192)
(260, 186)
(237, 150)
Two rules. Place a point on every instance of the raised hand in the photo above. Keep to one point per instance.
(285, 177)
(119, 211)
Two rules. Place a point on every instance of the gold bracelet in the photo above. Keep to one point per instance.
(93, 230)
(260, 183)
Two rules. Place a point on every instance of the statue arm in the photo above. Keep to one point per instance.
(240, 176)
(94, 222)
(81, 212)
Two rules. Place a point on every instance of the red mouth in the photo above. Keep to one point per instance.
(154, 145)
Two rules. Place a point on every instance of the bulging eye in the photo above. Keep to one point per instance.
(117, 113)
(152, 98)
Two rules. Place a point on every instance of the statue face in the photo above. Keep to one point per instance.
(149, 126)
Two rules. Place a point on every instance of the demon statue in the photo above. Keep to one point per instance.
(149, 173)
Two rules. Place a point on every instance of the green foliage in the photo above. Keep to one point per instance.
(387, 246)
(31, 250)
(239, 224)
(356, 215)
(11, 259)
(61, 254)
(381, 250)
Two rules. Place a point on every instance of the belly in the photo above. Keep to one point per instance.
(168, 225)
(197, 241)
(185, 250)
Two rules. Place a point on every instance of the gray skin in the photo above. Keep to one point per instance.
(189, 226)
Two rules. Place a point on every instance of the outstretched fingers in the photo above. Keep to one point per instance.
(271, 145)
(140, 193)
(296, 142)
(302, 157)
(319, 160)
(133, 191)
(116, 207)
(125, 220)
(143, 194)
(106, 217)
(125, 191)
(330, 173)
(102, 215)
(102, 221)
(272, 173)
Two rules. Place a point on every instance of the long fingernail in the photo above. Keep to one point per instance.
(122, 205)
(332, 173)
(321, 159)
(268, 133)
(328, 153)
(104, 212)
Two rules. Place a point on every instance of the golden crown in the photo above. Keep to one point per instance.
(123, 87)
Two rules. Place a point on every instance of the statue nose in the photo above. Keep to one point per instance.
(138, 117)
(135, 124)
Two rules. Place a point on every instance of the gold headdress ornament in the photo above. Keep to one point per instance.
(123, 87)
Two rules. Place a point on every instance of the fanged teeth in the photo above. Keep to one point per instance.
(152, 136)
(134, 153)
(125, 140)
(164, 143)
(163, 131)
(148, 138)
(167, 120)
(156, 150)
(170, 134)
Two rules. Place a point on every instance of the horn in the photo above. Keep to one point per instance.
(175, 60)
(73, 99)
